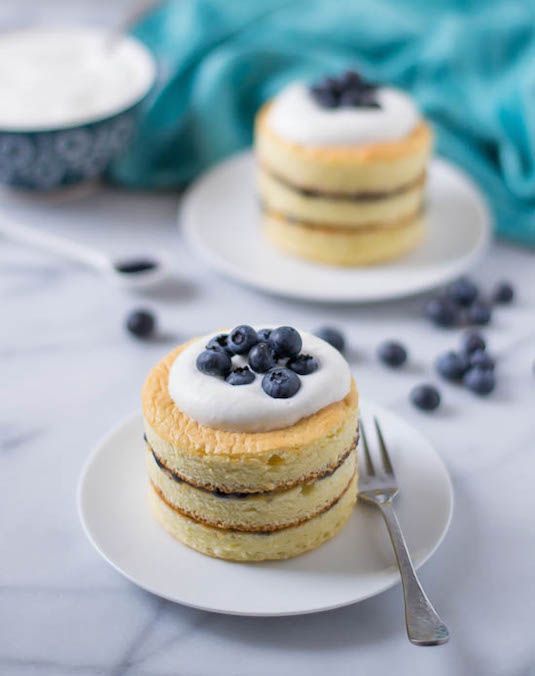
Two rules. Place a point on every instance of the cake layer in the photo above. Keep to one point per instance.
(344, 246)
(235, 545)
(267, 511)
(235, 462)
(332, 208)
(275, 470)
(373, 167)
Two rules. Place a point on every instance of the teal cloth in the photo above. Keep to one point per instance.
(469, 64)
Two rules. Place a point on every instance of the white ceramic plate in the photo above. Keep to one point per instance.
(221, 221)
(355, 565)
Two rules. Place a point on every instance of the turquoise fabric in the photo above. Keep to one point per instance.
(470, 65)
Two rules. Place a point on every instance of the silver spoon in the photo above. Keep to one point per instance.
(134, 272)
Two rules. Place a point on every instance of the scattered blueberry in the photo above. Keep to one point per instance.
(241, 375)
(262, 357)
(503, 293)
(286, 342)
(303, 364)
(481, 359)
(242, 338)
(425, 397)
(332, 336)
(214, 362)
(392, 353)
(281, 383)
(141, 323)
(481, 381)
(479, 313)
(452, 366)
(442, 312)
(472, 341)
(263, 334)
(219, 342)
(462, 291)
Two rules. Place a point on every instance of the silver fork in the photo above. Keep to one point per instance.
(379, 488)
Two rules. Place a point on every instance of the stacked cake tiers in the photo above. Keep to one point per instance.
(251, 441)
(341, 171)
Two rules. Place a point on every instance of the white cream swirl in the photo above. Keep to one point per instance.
(247, 408)
(297, 117)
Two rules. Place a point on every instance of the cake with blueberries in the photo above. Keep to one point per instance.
(251, 442)
(342, 171)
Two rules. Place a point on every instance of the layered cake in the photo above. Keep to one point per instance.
(342, 170)
(251, 443)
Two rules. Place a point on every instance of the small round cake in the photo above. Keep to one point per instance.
(251, 443)
(341, 171)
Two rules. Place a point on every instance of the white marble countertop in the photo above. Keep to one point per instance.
(70, 372)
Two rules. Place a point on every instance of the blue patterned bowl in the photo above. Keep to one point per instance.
(47, 159)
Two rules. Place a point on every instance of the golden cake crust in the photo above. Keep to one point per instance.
(175, 427)
(417, 141)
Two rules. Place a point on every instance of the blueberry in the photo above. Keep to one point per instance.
(452, 365)
(286, 342)
(480, 313)
(332, 336)
(351, 80)
(263, 334)
(219, 342)
(481, 381)
(303, 364)
(242, 338)
(425, 397)
(141, 323)
(262, 357)
(366, 99)
(503, 293)
(351, 98)
(214, 363)
(241, 375)
(442, 312)
(333, 85)
(472, 341)
(462, 291)
(281, 383)
(324, 97)
(481, 359)
(392, 353)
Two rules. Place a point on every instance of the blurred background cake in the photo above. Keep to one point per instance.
(251, 442)
(341, 171)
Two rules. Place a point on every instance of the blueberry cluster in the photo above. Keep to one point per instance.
(462, 304)
(349, 90)
(275, 353)
(472, 365)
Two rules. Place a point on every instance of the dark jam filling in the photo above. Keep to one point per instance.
(135, 266)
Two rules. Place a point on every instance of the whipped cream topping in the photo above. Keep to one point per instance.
(60, 77)
(297, 117)
(247, 408)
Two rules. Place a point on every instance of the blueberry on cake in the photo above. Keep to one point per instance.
(341, 171)
(251, 442)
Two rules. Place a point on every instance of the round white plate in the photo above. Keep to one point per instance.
(355, 565)
(221, 221)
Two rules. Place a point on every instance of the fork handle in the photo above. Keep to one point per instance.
(424, 626)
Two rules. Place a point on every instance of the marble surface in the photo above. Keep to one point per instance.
(70, 372)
